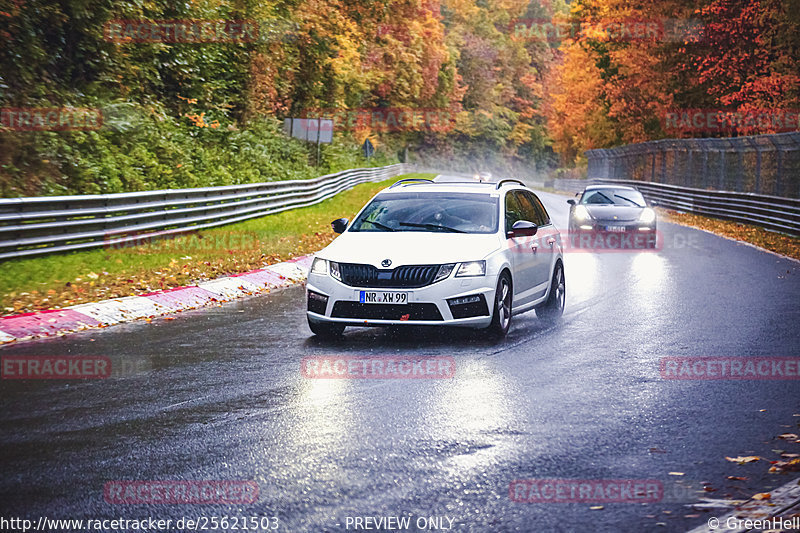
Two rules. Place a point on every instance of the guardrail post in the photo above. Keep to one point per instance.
(688, 179)
(740, 174)
(652, 166)
(705, 179)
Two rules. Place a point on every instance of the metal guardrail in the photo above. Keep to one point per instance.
(50, 224)
(772, 212)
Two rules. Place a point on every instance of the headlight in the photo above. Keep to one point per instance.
(444, 271)
(581, 213)
(334, 268)
(319, 266)
(648, 216)
(471, 268)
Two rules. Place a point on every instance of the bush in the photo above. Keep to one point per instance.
(141, 149)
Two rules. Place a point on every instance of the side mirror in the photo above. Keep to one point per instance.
(339, 225)
(653, 204)
(522, 228)
(571, 201)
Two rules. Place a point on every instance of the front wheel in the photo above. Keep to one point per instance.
(553, 307)
(501, 320)
(326, 330)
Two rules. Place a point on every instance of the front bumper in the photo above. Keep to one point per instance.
(626, 235)
(603, 226)
(330, 300)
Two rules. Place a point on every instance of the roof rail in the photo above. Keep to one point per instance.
(501, 182)
(407, 180)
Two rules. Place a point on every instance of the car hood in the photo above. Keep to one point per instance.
(409, 248)
(608, 212)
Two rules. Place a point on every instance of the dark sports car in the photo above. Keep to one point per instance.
(603, 209)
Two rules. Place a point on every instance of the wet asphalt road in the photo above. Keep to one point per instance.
(217, 394)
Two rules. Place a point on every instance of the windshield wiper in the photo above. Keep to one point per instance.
(631, 201)
(379, 225)
(432, 226)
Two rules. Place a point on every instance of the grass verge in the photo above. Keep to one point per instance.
(60, 280)
(779, 243)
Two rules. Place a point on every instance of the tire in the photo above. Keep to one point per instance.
(326, 330)
(501, 317)
(553, 308)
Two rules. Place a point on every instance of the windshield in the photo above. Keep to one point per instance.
(625, 197)
(439, 212)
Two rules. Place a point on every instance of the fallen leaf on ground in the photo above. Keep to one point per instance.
(742, 460)
(762, 496)
(596, 507)
(737, 478)
(785, 466)
(709, 503)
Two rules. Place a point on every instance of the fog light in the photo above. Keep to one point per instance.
(317, 303)
(468, 306)
(465, 300)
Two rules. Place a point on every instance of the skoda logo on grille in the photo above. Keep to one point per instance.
(386, 263)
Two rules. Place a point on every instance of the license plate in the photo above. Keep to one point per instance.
(616, 229)
(382, 297)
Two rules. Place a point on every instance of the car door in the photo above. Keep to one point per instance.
(549, 240)
(516, 246)
(538, 265)
(522, 251)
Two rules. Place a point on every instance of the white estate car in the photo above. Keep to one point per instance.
(461, 254)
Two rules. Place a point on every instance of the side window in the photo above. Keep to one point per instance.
(512, 210)
(527, 207)
(543, 216)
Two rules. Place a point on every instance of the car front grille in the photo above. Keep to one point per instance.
(356, 310)
(402, 277)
